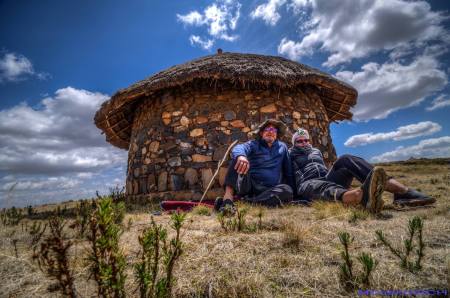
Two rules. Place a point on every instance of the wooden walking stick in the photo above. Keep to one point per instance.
(217, 170)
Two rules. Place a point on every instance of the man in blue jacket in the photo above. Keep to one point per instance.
(260, 171)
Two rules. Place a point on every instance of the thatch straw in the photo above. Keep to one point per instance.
(243, 70)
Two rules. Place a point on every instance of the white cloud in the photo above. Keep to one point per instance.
(354, 29)
(268, 12)
(386, 88)
(193, 18)
(431, 148)
(59, 137)
(205, 44)
(41, 184)
(402, 133)
(54, 152)
(15, 67)
(439, 102)
(220, 18)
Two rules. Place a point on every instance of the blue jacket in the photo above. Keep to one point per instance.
(268, 165)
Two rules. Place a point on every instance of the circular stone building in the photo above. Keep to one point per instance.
(178, 123)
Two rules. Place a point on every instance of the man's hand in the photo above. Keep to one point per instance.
(242, 165)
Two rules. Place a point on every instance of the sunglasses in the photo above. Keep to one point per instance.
(301, 141)
(270, 129)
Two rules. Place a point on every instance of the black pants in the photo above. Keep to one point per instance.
(338, 179)
(253, 192)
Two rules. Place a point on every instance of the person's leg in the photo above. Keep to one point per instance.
(273, 197)
(315, 189)
(347, 167)
(235, 183)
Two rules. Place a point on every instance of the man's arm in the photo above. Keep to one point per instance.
(240, 153)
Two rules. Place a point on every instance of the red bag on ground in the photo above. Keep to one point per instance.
(184, 205)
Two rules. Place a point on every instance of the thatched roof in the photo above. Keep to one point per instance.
(247, 70)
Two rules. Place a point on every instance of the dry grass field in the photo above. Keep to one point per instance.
(292, 252)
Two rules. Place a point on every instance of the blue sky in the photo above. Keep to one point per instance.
(59, 60)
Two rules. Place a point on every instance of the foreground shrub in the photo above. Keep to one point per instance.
(157, 249)
(11, 216)
(415, 227)
(52, 256)
(348, 277)
(106, 259)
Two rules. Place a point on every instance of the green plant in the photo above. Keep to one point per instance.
(36, 232)
(202, 210)
(157, 249)
(234, 222)
(30, 211)
(53, 258)
(106, 258)
(83, 213)
(11, 216)
(260, 215)
(347, 275)
(358, 214)
(415, 227)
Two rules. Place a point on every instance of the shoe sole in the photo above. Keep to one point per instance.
(414, 203)
(376, 189)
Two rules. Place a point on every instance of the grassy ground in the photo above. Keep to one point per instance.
(295, 252)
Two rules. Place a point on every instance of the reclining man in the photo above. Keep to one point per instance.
(259, 168)
(315, 181)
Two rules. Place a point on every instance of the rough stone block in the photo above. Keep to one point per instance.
(196, 132)
(201, 158)
(162, 181)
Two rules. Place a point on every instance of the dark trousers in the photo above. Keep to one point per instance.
(338, 179)
(253, 192)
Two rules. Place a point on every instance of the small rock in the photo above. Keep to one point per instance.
(166, 115)
(229, 115)
(201, 119)
(224, 123)
(166, 121)
(206, 177)
(200, 142)
(196, 132)
(162, 181)
(151, 183)
(271, 108)
(246, 129)
(201, 158)
(177, 113)
(222, 175)
(185, 121)
(174, 162)
(215, 117)
(238, 123)
(185, 145)
(154, 146)
(136, 172)
(147, 161)
(144, 151)
(219, 153)
(179, 129)
(191, 176)
(175, 183)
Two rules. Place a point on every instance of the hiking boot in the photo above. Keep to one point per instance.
(218, 203)
(227, 207)
(413, 198)
(373, 188)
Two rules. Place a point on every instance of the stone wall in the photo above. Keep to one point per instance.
(179, 136)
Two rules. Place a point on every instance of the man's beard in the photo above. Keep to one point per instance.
(269, 140)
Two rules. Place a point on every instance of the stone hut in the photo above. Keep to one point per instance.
(178, 123)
